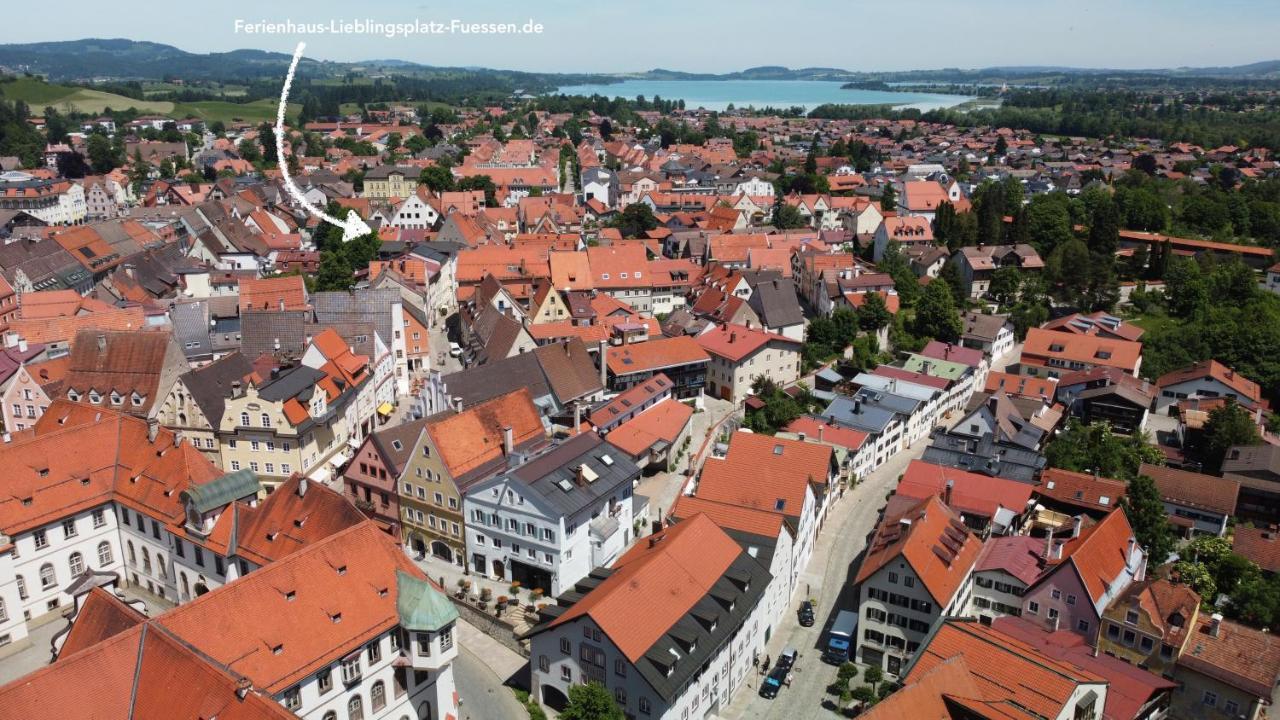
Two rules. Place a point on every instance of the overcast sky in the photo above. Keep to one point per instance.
(710, 35)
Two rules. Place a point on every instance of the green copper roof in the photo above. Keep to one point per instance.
(421, 607)
(944, 369)
(223, 490)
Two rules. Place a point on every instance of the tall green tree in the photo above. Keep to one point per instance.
(1228, 425)
(936, 315)
(1144, 508)
(1095, 448)
(889, 199)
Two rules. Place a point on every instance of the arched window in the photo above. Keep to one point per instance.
(22, 588)
(47, 577)
(133, 558)
(355, 708)
(266, 420)
(186, 589)
(331, 715)
(75, 562)
(378, 696)
(244, 419)
(146, 560)
(4, 614)
(160, 567)
(104, 554)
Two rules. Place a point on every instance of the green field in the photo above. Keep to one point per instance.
(39, 95)
(211, 110)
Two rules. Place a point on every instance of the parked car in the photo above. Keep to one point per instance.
(787, 659)
(773, 682)
(455, 350)
(805, 614)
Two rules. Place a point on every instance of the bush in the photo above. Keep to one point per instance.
(848, 671)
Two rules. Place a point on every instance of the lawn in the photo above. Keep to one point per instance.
(263, 110)
(39, 95)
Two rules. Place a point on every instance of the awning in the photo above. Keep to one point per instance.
(339, 459)
(354, 443)
(320, 474)
(385, 408)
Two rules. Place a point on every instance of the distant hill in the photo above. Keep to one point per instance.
(119, 58)
(90, 59)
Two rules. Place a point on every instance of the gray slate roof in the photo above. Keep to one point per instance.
(554, 473)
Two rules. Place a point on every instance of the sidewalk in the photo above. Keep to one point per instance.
(448, 575)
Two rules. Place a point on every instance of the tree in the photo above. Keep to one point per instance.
(1144, 508)
(936, 315)
(889, 199)
(874, 313)
(636, 220)
(606, 130)
(73, 165)
(102, 156)
(248, 150)
(1185, 288)
(788, 217)
(267, 136)
(1094, 447)
(1005, 284)
(592, 701)
(1002, 146)
(1228, 425)
(437, 178)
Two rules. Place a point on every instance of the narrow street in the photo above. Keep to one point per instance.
(833, 565)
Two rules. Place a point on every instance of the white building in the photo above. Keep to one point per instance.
(549, 521)
(703, 625)
(917, 571)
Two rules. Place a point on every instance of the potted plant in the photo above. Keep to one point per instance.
(485, 594)
(515, 587)
(536, 594)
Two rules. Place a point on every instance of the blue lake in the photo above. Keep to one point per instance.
(718, 94)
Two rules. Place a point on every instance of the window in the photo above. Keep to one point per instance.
(75, 563)
(446, 638)
(621, 695)
(1131, 617)
(619, 668)
(254, 446)
(351, 669)
(266, 422)
(424, 644)
(1053, 613)
(644, 706)
(355, 708)
(375, 652)
(104, 554)
(1210, 698)
(47, 577)
(1071, 599)
(69, 528)
(378, 696)
(4, 614)
(99, 518)
(893, 578)
(293, 698)
(565, 646)
(244, 419)
(1033, 608)
(1082, 625)
(1056, 594)
(22, 588)
(41, 538)
(908, 581)
(566, 674)
(1231, 708)
(324, 680)
(235, 464)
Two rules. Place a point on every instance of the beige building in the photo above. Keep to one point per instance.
(388, 181)
(457, 450)
(194, 406)
(741, 353)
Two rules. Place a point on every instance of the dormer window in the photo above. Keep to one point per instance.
(73, 396)
(116, 398)
(94, 397)
(138, 400)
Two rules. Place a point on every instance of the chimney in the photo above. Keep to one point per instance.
(604, 365)
(102, 343)
(243, 686)
(302, 486)
(946, 497)
(457, 403)
(153, 429)
(1048, 545)
(1215, 624)
(8, 438)
(235, 388)
(507, 442)
(1076, 522)
(904, 524)
(22, 345)
(857, 405)
(821, 427)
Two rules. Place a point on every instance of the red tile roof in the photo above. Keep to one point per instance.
(655, 583)
(729, 516)
(1021, 556)
(664, 421)
(1183, 487)
(735, 342)
(1085, 349)
(1247, 389)
(1261, 545)
(1242, 657)
(1024, 385)
(101, 616)
(970, 493)
(818, 429)
(473, 438)
(1080, 489)
(955, 353)
(1005, 669)
(932, 539)
(656, 354)
(766, 473)
(1099, 553)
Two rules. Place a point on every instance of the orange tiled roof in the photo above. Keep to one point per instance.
(1099, 553)
(735, 342)
(663, 421)
(655, 355)
(272, 293)
(936, 543)
(654, 584)
(473, 438)
(766, 473)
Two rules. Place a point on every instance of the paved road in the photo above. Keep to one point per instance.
(483, 695)
(832, 567)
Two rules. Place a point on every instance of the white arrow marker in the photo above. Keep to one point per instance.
(353, 226)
